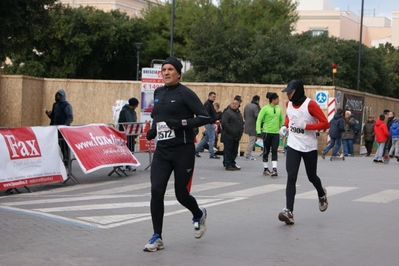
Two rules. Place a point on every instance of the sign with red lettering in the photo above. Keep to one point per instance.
(29, 156)
(98, 146)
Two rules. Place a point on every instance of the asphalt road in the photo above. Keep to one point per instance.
(105, 220)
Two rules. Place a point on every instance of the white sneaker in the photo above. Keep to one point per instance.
(154, 244)
(250, 158)
(199, 224)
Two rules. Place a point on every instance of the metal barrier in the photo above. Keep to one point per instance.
(134, 131)
(67, 157)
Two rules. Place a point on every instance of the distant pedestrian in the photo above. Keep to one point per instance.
(394, 131)
(381, 136)
(251, 112)
(268, 124)
(368, 134)
(349, 135)
(335, 133)
(232, 124)
(304, 117)
(209, 135)
(128, 115)
(61, 114)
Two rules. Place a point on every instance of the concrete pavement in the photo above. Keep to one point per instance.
(105, 220)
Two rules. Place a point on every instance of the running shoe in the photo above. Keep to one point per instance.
(154, 244)
(323, 203)
(323, 155)
(250, 158)
(274, 172)
(286, 216)
(266, 172)
(199, 224)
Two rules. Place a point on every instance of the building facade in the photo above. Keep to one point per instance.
(132, 8)
(319, 17)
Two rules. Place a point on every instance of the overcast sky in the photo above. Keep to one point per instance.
(380, 7)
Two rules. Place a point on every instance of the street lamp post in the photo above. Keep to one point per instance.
(360, 46)
(138, 45)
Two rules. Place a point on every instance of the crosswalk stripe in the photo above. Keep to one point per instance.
(204, 187)
(108, 219)
(67, 199)
(331, 191)
(253, 191)
(66, 189)
(145, 218)
(121, 189)
(381, 197)
(109, 206)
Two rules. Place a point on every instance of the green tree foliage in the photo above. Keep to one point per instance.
(82, 43)
(20, 21)
(236, 41)
(223, 46)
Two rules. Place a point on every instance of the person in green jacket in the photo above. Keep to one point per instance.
(269, 121)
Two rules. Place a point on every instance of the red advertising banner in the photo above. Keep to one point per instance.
(29, 156)
(98, 146)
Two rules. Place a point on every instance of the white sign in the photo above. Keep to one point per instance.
(322, 99)
(29, 156)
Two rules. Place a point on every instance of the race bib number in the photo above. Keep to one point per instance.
(164, 132)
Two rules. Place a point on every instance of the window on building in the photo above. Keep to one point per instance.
(318, 32)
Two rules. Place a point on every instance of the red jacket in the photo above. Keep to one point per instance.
(381, 131)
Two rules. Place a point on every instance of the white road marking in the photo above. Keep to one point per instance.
(121, 189)
(385, 196)
(109, 206)
(253, 191)
(331, 191)
(67, 199)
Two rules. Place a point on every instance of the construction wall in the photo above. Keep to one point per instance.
(23, 99)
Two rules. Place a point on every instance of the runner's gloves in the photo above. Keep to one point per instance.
(151, 134)
(283, 131)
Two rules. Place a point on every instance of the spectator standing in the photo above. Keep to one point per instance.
(381, 136)
(209, 128)
(304, 117)
(251, 112)
(61, 114)
(232, 124)
(368, 134)
(349, 135)
(391, 119)
(177, 111)
(336, 129)
(268, 124)
(128, 115)
(394, 132)
(217, 122)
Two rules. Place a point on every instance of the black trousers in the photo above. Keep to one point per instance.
(179, 159)
(270, 140)
(293, 160)
(369, 146)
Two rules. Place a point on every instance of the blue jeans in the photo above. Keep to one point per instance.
(348, 146)
(209, 137)
(336, 142)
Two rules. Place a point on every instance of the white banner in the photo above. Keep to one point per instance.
(30, 156)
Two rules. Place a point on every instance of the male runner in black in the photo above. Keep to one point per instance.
(177, 110)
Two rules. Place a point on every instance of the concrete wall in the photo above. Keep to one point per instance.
(23, 98)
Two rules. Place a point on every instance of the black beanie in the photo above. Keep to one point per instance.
(133, 102)
(174, 62)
